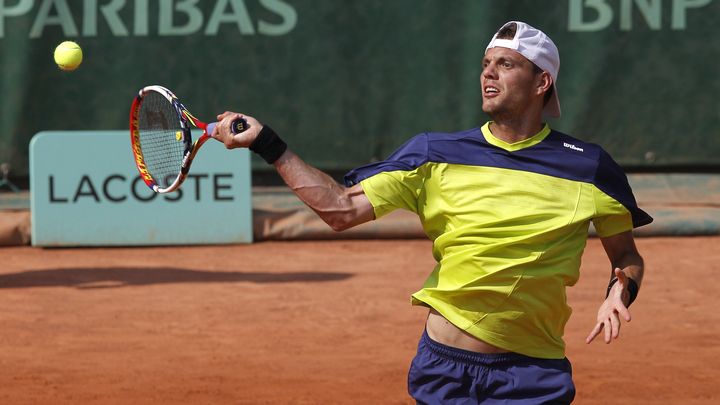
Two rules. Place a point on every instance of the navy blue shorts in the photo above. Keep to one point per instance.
(441, 374)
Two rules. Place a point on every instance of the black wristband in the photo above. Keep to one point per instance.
(268, 145)
(632, 289)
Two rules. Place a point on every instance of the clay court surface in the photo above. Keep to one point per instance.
(314, 323)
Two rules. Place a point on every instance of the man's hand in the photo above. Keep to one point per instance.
(614, 307)
(242, 140)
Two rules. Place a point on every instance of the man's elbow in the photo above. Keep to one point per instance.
(349, 212)
(339, 223)
(343, 220)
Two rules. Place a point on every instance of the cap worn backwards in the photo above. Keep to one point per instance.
(539, 49)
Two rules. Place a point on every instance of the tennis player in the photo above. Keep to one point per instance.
(508, 207)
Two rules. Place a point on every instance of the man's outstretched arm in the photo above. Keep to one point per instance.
(339, 206)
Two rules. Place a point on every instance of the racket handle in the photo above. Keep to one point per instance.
(237, 126)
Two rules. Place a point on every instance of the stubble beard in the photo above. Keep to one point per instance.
(496, 112)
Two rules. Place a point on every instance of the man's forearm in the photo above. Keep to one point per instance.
(623, 254)
(338, 206)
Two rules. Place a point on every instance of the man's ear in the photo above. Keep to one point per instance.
(544, 82)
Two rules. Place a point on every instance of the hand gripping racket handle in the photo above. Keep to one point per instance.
(237, 126)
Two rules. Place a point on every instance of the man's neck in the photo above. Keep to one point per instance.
(512, 131)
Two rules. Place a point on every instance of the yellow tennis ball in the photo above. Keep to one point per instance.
(68, 55)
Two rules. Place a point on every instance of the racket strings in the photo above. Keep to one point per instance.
(162, 148)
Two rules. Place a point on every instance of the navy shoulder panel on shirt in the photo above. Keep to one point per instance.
(439, 147)
(557, 155)
(411, 155)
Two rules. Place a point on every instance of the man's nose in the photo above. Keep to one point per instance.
(489, 71)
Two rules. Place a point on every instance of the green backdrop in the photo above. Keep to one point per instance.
(347, 81)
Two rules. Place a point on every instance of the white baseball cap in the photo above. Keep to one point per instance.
(539, 49)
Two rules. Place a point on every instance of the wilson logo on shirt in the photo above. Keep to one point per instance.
(573, 147)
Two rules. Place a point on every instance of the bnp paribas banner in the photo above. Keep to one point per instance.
(345, 82)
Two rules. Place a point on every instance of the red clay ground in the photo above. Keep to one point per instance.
(314, 323)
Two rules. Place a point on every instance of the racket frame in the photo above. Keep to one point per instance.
(186, 120)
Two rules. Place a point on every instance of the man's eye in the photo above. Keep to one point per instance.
(507, 64)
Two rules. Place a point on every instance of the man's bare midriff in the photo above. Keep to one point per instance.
(442, 331)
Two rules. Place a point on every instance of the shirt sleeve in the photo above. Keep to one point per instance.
(615, 205)
(396, 181)
(388, 191)
(611, 217)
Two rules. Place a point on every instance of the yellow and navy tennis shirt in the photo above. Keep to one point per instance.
(509, 223)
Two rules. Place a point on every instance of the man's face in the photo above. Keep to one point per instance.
(509, 83)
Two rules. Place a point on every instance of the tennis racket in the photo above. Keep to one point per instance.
(161, 142)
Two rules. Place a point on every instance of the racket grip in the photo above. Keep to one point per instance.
(237, 126)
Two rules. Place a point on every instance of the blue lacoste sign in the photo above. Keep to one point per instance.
(86, 191)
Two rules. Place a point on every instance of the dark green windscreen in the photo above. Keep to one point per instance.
(345, 82)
